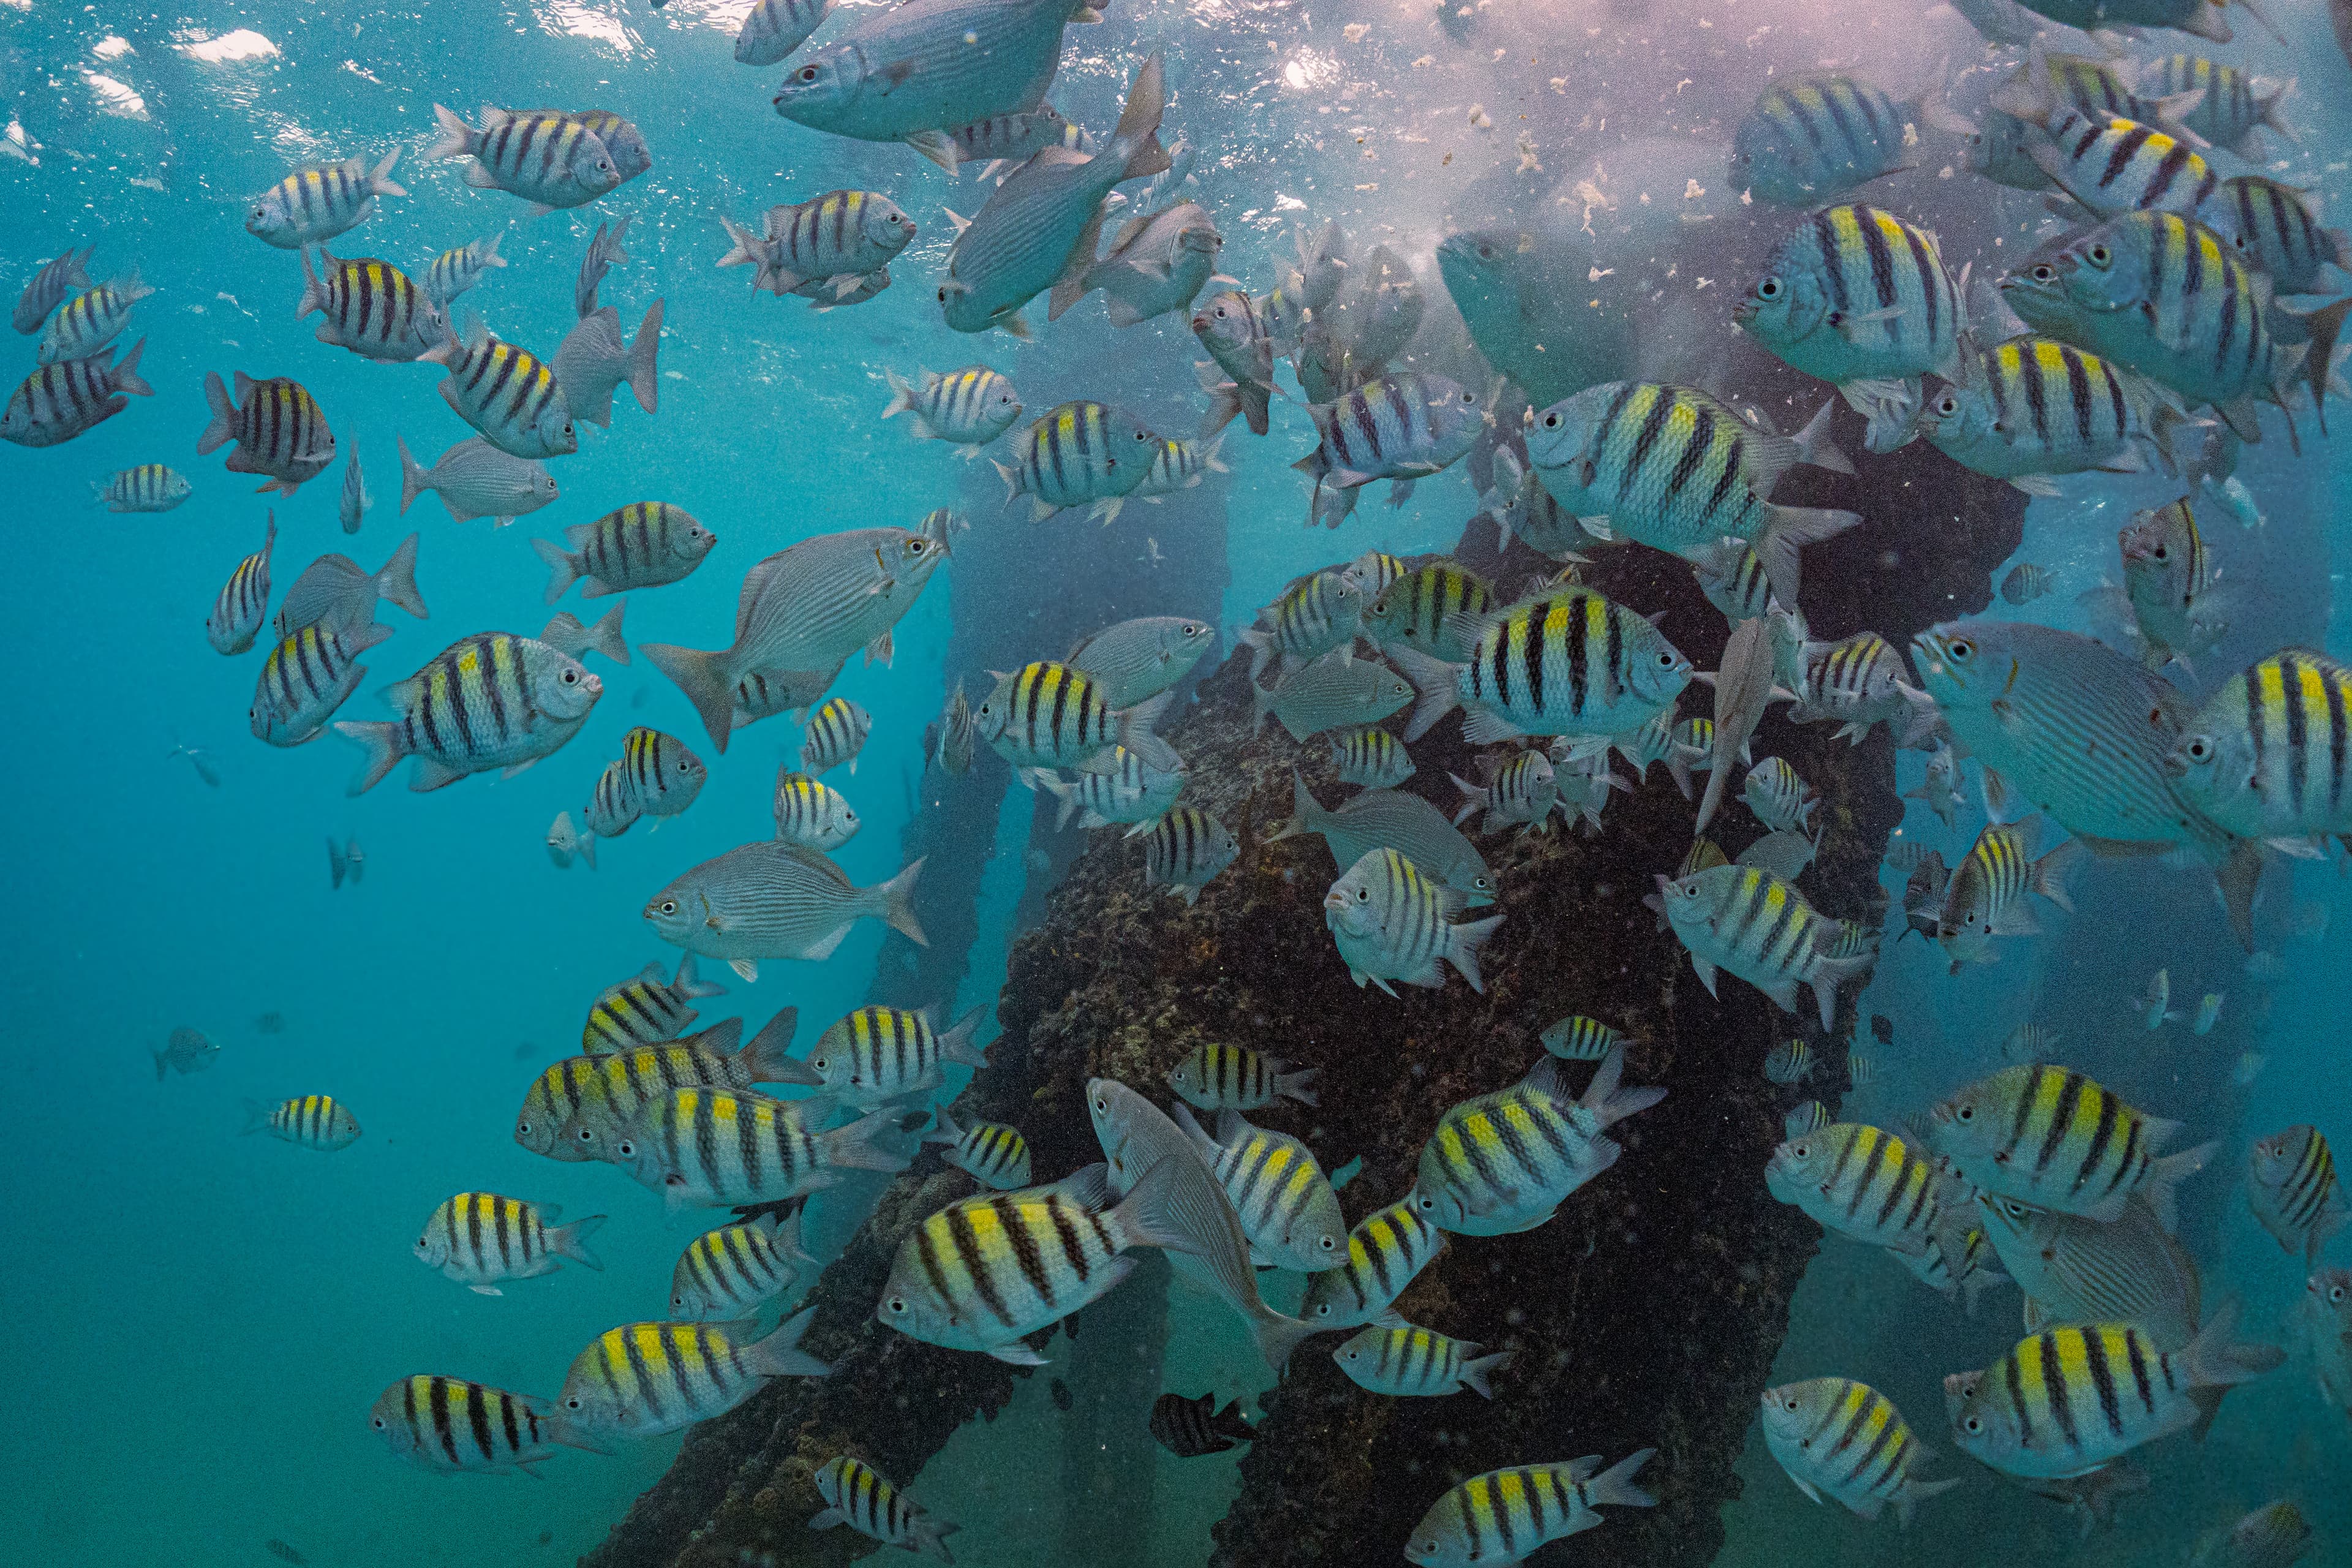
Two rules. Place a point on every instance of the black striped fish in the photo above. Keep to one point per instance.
(2053, 1138)
(644, 544)
(1132, 793)
(1080, 452)
(1391, 921)
(243, 601)
(1578, 1038)
(879, 1054)
(2291, 1183)
(663, 775)
(1048, 715)
(1782, 800)
(984, 1273)
(644, 1009)
(313, 1120)
(1190, 1428)
(1521, 791)
(716, 1147)
(1862, 1183)
(2275, 231)
(837, 734)
(91, 318)
(2122, 165)
(453, 271)
(490, 700)
(774, 29)
(968, 407)
(1523, 508)
(1810, 1117)
(1501, 1164)
(1812, 137)
(1321, 611)
(859, 1496)
(59, 402)
(1288, 1208)
(812, 813)
(991, 1154)
(149, 487)
(2168, 583)
(2100, 91)
(727, 1275)
(1179, 465)
(1504, 1515)
(1732, 576)
(278, 427)
(1756, 925)
(1400, 427)
(1184, 851)
(480, 1239)
(1430, 609)
(644, 1379)
(507, 393)
(621, 137)
(59, 277)
(1413, 1363)
(2074, 1397)
(1567, 663)
(2233, 106)
(834, 240)
(1001, 140)
(547, 158)
(1370, 756)
(307, 677)
(450, 1424)
(1836, 1435)
(1385, 1251)
(1216, 1075)
(573, 1110)
(371, 307)
(2033, 406)
(319, 201)
(2266, 757)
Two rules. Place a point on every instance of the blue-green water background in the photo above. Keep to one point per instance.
(198, 1321)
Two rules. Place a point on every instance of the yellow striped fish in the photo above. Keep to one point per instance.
(1385, 1252)
(968, 407)
(278, 427)
(1180, 465)
(448, 1423)
(644, 1379)
(728, 1274)
(644, 1010)
(1288, 1208)
(2058, 1140)
(837, 734)
(573, 1110)
(663, 774)
(1217, 1076)
(1500, 1164)
(857, 1495)
(1413, 1363)
(836, 239)
(319, 201)
(150, 486)
(490, 700)
(1576, 1038)
(454, 271)
(59, 402)
(2231, 107)
(1080, 452)
(1504, 1515)
(547, 158)
(2122, 166)
(644, 544)
(1431, 608)
(1391, 921)
(812, 813)
(2291, 1181)
(479, 1238)
(506, 391)
(2073, 1397)
(2275, 232)
(314, 1120)
(879, 1054)
(716, 1147)
(243, 602)
(1370, 756)
(1568, 663)
(92, 320)
(1812, 137)
(1862, 1183)
(2265, 757)
(1836, 1435)
(306, 678)
(59, 277)
(1756, 925)
(1987, 895)
(991, 1154)
(1321, 611)
(372, 308)
(1048, 715)
(2033, 407)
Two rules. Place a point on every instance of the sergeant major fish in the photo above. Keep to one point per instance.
(644, 544)
(813, 814)
(1185, 850)
(644, 1010)
(452, 272)
(371, 307)
(243, 602)
(1397, 427)
(835, 240)
(991, 1154)
(1220, 1077)
(727, 1275)
(1813, 137)
(1501, 1163)
(547, 158)
(719, 1147)
(880, 1054)
(319, 201)
(57, 401)
(643, 1379)
(858, 1495)
(92, 320)
(1570, 662)
(968, 407)
(1286, 1203)
(1502, 1516)
(1079, 453)
(449, 1424)
(1411, 1361)
(2052, 1138)
(480, 1239)
(774, 29)
(60, 278)
(278, 427)
(507, 393)
(313, 1121)
(1834, 1435)
(309, 675)
(490, 700)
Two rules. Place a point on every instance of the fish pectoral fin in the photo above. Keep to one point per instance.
(1806, 1487)
(519, 767)
(1018, 1354)
(744, 968)
(486, 1289)
(2005, 715)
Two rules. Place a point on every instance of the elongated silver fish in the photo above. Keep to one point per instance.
(771, 900)
(474, 478)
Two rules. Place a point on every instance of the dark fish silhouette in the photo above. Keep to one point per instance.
(1063, 1398)
(1882, 1028)
(270, 1024)
(1189, 1429)
(284, 1552)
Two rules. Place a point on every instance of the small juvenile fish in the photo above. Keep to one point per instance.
(859, 1496)
(834, 240)
(1780, 800)
(449, 1424)
(644, 1009)
(1370, 756)
(1219, 1076)
(1079, 453)
(309, 675)
(1288, 1208)
(1416, 1362)
(60, 278)
(774, 29)
(278, 427)
(200, 760)
(1504, 1515)
(2112, 164)
(1180, 465)
(1132, 793)
(1789, 1062)
(880, 1054)
(2153, 1006)
(604, 253)
(1184, 851)
(957, 735)
(770, 900)
(2053, 1138)
(371, 307)
(594, 359)
(2024, 583)
(837, 734)
(1385, 1252)
(2292, 1185)
(490, 700)
(1391, 921)
(506, 391)
(244, 600)
(1578, 1038)
(336, 588)
(2274, 1536)
(2249, 1068)
(727, 1275)
(2230, 108)
(1190, 1428)
(92, 320)
(313, 1120)
(1135, 660)
(644, 544)
(186, 1051)
(547, 158)
(352, 508)
(454, 271)
(2209, 1013)
(991, 1154)
(968, 407)
(319, 201)
(1329, 692)
(57, 401)
(480, 1239)
(1987, 894)
(1834, 1435)
(2169, 581)
(1806, 1120)
(812, 813)
(644, 1379)
(1813, 137)
(1522, 791)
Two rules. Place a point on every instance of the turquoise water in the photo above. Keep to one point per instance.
(202, 1319)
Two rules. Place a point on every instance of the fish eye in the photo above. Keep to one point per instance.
(1962, 650)
(2100, 256)
(819, 1062)
(1486, 251)
(2044, 273)
(676, 1301)
(1769, 288)
(1363, 895)
(896, 1304)
(570, 678)
(626, 1147)
(943, 293)
(2162, 553)
(2199, 750)
(1552, 419)
(1974, 1423)
(573, 1403)
(585, 1136)
(1327, 1245)
(669, 906)
(1947, 404)
(806, 73)
(1353, 1355)
(2335, 1293)
(1665, 661)
(1965, 1113)
(1802, 1152)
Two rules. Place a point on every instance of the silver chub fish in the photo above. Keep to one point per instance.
(771, 900)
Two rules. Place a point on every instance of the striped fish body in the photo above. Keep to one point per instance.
(727, 1275)
(2274, 231)
(857, 1495)
(835, 240)
(319, 201)
(1696, 739)
(2291, 1181)
(1986, 895)
(454, 271)
(490, 700)
(278, 427)
(243, 602)
(2169, 583)
(507, 393)
(1500, 1164)
(1732, 576)
(991, 1152)
(1413, 1363)
(837, 734)
(2036, 406)
(1132, 793)
(1789, 1062)
(547, 158)
(1504, 1515)
(1651, 743)
(662, 774)
(313, 1120)
(1080, 452)
(644, 1379)
(1834, 1435)
(2097, 89)
(1002, 138)
(1998, 150)
(2053, 1138)
(1385, 1252)
(814, 814)
(1283, 316)
(1288, 1208)
(968, 407)
(1569, 663)
(771, 900)
(1184, 851)
(1391, 921)
(1429, 609)
(1523, 508)
(1578, 1038)
(1324, 611)
(716, 1147)
(59, 276)
(621, 137)
(1523, 792)
(2075, 1270)
(306, 678)
(612, 807)
(1810, 138)
(2266, 756)
(480, 1239)
(1810, 1117)
(1758, 926)
(2076, 1396)
(1782, 800)
(1370, 756)
(1376, 569)
(1047, 715)
(1217, 1076)
(2233, 107)
(644, 544)
(150, 486)
(644, 1009)
(571, 1109)
(2116, 165)
(1862, 1183)
(958, 734)
(1180, 465)
(372, 308)
(1142, 657)
(92, 320)
(1392, 427)
(59, 402)
(774, 29)
(1329, 692)
(879, 1054)
(449, 1424)
(947, 63)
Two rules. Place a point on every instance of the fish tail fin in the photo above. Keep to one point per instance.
(1066, 791)
(605, 637)
(1306, 816)
(938, 146)
(1261, 645)
(458, 138)
(415, 480)
(687, 983)
(779, 1354)
(562, 570)
(1615, 1484)
(1829, 973)
(1473, 797)
(1432, 679)
(929, 1537)
(956, 1045)
(571, 1241)
(124, 375)
(2049, 873)
(1261, 704)
(1461, 945)
(858, 1146)
(641, 370)
(1787, 529)
(1136, 139)
(1299, 1085)
(397, 580)
(1815, 448)
(2165, 1174)
(383, 746)
(2215, 1359)
(703, 677)
(902, 397)
(1224, 402)
(767, 1058)
(257, 1113)
(1010, 474)
(1279, 1337)
(2315, 368)
(224, 420)
(897, 900)
(314, 294)
(1913, 1493)
(1473, 1372)
(380, 180)
(1136, 725)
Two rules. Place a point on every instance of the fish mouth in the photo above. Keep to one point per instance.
(1743, 313)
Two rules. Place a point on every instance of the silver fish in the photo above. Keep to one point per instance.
(474, 479)
(1135, 661)
(771, 900)
(352, 508)
(1387, 819)
(1157, 263)
(930, 66)
(336, 587)
(2078, 1270)
(1330, 692)
(58, 278)
(594, 359)
(186, 1051)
